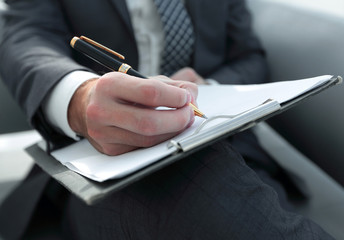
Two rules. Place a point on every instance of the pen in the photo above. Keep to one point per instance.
(96, 52)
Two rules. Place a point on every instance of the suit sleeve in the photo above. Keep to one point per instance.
(35, 55)
(244, 60)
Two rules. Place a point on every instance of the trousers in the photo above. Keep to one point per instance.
(212, 194)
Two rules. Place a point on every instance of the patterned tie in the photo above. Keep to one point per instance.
(179, 36)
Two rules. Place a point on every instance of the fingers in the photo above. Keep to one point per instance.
(189, 86)
(149, 92)
(119, 136)
(188, 74)
(114, 141)
(121, 113)
(141, 120)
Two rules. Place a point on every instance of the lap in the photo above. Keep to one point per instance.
(212, 194)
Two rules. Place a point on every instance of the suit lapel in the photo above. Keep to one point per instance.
(121, 7)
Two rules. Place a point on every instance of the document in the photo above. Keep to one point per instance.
(229, 108)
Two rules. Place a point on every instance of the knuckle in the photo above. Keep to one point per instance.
(96, 134)
(103, 82)
(93, 112)
(191, 87)
(150, 93)
(106, 81)
(146, 126)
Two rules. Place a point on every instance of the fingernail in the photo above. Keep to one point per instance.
(192, 98)
(192, 116)
(188, 97)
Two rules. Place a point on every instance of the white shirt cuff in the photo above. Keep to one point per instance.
(55, 106)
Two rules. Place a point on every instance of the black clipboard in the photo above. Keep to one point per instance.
(91, 191)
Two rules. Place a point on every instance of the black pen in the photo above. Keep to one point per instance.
(95, 51)
(90, 48)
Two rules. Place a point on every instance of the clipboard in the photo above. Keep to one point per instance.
(91, 191)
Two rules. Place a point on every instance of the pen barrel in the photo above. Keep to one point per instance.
(102, 58)
(135, 73)
(97, 55)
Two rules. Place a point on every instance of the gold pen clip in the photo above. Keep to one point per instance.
(98, 45)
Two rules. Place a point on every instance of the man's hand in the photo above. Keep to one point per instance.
(188, 74)
(117, 114)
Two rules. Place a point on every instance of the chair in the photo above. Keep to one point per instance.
(15, 134)
(302, 43)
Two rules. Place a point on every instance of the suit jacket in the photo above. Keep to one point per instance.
(35, 53)
(37, 35)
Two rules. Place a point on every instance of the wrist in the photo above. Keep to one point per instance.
(77, 107)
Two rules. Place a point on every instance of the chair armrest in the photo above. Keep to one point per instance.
(325, 204)
(303, 42)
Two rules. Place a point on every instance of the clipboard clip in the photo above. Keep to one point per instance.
(236, 122)
(174, 143)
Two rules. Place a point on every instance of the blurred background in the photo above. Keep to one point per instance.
(329, 6)
(15, 135)
(12, 118)
(303, 38)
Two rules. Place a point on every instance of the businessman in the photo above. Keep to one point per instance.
(212, 194)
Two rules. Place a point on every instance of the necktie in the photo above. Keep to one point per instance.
(179, 36)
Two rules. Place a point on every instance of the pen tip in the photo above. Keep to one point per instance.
(204, 116)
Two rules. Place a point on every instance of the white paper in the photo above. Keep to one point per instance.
(213, 100)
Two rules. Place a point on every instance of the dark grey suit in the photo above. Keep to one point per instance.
(210, 195)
